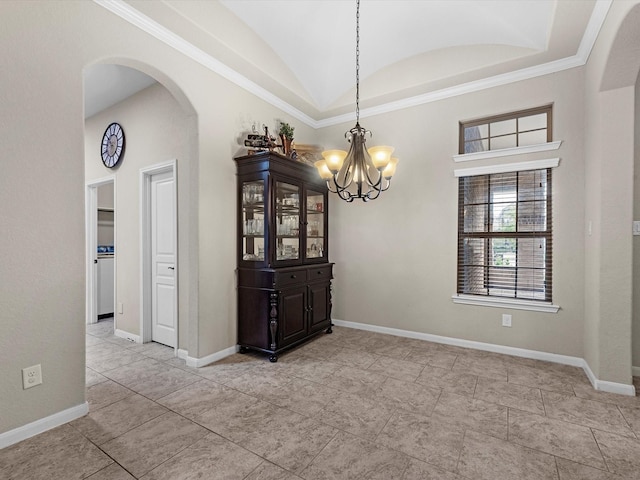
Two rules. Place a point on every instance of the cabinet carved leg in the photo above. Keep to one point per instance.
(243, 350)
(329, 330)
(273, 323)
(273, 358)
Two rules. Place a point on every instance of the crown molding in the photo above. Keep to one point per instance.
(136, 18)
(600, 10)
(153, 28)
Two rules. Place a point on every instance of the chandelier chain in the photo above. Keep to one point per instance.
(359, 173)
(358, 62)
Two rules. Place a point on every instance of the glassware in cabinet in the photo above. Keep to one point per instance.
(253, 221)
(288, 221)
(315, 214)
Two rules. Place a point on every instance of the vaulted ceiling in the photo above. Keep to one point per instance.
(301, 54)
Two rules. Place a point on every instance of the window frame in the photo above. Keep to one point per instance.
(546, 109)
(488, 235)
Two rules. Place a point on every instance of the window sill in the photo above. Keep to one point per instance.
(507, 167)
(506, 152)
(498, 302)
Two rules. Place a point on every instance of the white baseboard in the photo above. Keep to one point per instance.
(605, 386)
(39, 426)
(183, 354)
(458, 342)
(214, 357)
(127, 336)
(602, 385)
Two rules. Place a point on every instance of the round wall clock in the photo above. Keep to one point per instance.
(112, 148)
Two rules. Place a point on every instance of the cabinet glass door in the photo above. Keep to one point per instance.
(315, 205)
(253, 220)
(287, 221)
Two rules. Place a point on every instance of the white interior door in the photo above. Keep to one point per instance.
(163, 259)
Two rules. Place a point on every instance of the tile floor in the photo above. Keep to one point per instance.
(351, 405)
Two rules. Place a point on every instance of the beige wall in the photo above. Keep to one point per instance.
(105, 218)
(105, 195)
(41, 195)
(396, 256)
(43, 184)
(386, 271)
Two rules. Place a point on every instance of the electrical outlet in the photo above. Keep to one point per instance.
(120, 307)
(506, 320)
(31, 376)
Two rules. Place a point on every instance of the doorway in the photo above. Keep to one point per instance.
(159, 254)
(100, 227)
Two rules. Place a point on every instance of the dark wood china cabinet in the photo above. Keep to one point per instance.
(284, 276)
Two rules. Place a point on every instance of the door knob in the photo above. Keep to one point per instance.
(171, 268)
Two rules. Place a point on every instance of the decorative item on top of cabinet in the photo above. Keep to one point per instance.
(284, 276)
(286, 137)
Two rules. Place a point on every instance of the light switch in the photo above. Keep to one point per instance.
(636, 227)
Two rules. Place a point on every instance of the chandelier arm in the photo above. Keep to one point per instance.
(371, 196)
(329, 187)
(377, 182)
(348, 180)
(346, 195)
(339, 187)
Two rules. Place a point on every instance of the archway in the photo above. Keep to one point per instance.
(623, 71)
(611, 75)
(160, 124)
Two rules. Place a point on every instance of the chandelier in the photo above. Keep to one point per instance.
(360, 173)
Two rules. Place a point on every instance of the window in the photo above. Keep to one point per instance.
(504, 235)
(518, 129)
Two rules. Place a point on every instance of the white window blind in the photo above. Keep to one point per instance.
(505, 235)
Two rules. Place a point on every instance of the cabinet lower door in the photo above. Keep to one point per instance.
(319, 301)
(292, 317)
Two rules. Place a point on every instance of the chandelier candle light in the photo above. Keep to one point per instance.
(361, 173)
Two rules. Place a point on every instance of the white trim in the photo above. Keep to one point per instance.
(182, 353)
(146, 24)
(146, 173)
(214, 357)
(507, 152)
(602, 385)
(127, 336)
(499, 302)
(463, 89)
(596, 20)
(635, 371)
(153, 28)
(458, 342)
(605, 386)
(507, 167)
(39, 426)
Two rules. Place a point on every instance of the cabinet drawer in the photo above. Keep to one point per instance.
(291, 277)
(320, 273)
